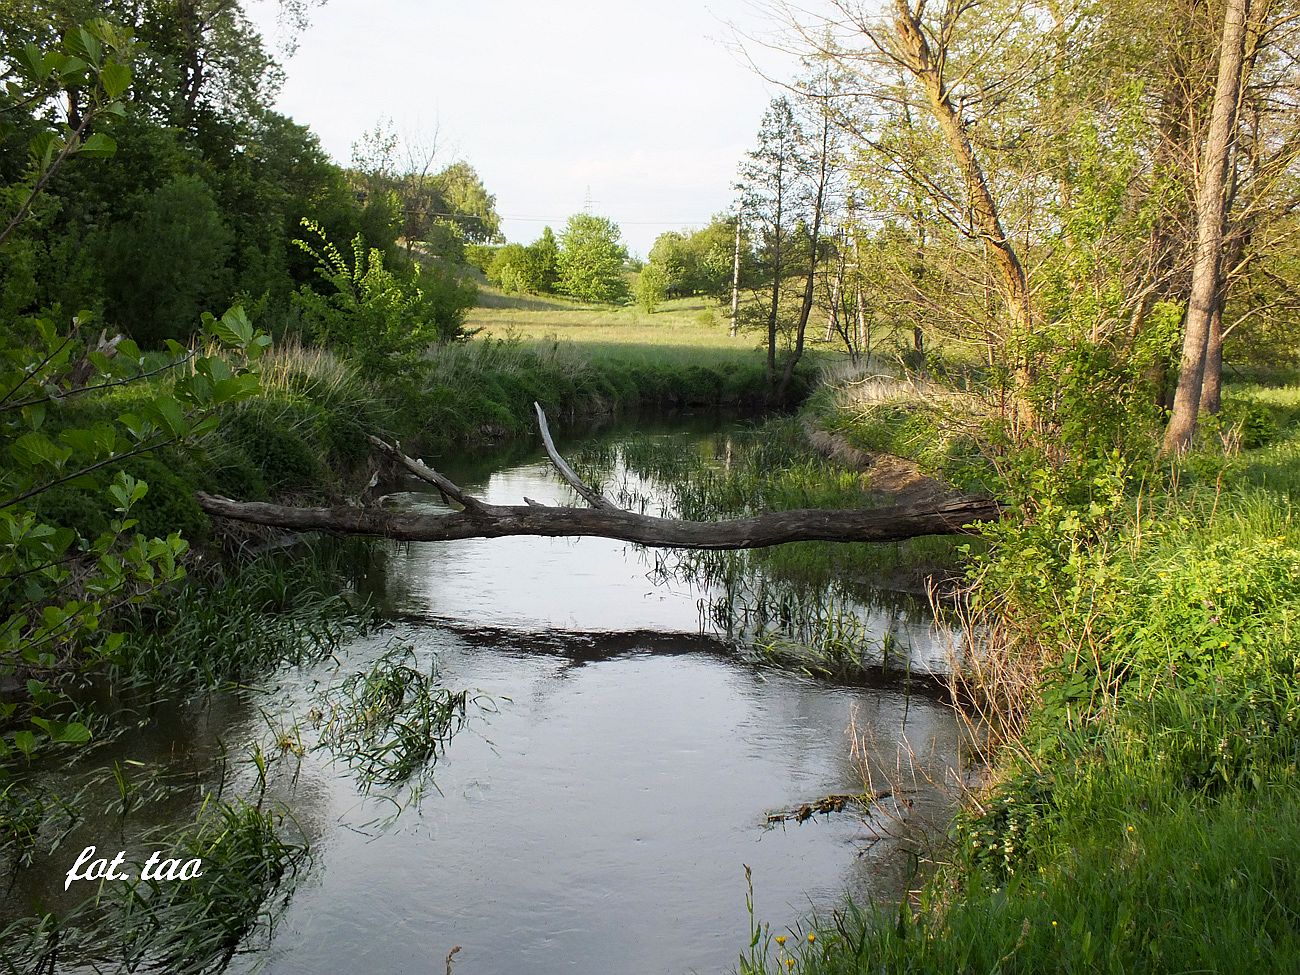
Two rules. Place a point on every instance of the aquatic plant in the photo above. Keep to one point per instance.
(181, 928)
(391, 722)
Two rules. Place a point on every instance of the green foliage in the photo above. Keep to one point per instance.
(651, 288)
(474, 208)
(234, 624)
(61, 586)
(480, 255)
(590, 260)
(1146, 654)
(161, 925)
(166, 263)
(509, 269)
(385, 319)
(699, 262)
(445, 240)
(516, 269)
(392, 722)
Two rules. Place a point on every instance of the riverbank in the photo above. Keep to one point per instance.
(303, 438)
(1139, 693)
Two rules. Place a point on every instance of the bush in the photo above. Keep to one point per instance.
(165, 265)
(385, 319)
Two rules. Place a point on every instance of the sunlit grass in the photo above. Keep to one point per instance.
(1141, 812)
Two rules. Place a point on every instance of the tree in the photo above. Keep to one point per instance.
(651, 287)
(469, 203)
(167, 263)
(544, 261)
(767, 184)
(511, 270)
(817, 190)
(590, 260)
(674, 261)
(1211, 212)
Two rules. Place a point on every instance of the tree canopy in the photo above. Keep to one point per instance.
(591, 259)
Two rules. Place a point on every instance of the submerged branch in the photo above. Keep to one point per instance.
(481, 520)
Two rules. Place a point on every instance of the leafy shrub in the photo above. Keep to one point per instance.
(166, 263)
(386, 320)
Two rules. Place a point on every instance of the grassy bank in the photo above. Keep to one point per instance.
(1139, 688)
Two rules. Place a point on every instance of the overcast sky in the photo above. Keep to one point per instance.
(646, 107)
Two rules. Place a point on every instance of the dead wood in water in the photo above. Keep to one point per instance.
(478, 519)
(828, 804)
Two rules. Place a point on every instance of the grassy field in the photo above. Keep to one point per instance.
(691, 330)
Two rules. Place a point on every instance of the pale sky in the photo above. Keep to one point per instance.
(646, 106)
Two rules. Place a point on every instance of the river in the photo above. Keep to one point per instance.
(614, 779)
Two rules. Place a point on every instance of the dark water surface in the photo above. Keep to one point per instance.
(597, 818)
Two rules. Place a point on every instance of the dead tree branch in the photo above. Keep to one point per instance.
(481, 520)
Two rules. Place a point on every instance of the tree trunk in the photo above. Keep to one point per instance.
(1211, 212)
(986, 220)
(814, 241)
(833, 315)
(776, 285)
(735, 281)
(498, 521)
(1212, 381)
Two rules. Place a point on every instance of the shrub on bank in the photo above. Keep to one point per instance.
(1146, 656)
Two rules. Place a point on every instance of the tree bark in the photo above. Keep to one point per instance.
(496, 521)
(775, 308)
(1211, 213)
(814, 242)
(1212, 381)
(735, 280)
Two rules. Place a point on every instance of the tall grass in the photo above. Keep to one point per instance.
(230, 624)
(939, 427)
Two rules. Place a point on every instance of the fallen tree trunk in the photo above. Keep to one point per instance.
(477, 519)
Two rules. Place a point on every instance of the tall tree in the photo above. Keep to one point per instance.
(768, 178)
(591, 259)
(1211, 212)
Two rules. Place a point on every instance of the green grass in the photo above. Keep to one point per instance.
(1146, 796)
(1183, 888)
(683, 330)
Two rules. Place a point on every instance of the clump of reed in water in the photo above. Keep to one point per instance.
(393, 720)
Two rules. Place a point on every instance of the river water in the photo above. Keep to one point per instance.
(598, 812)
